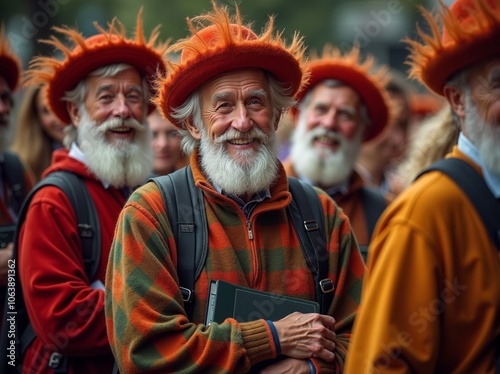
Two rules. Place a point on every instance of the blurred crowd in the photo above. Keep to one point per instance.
(414, 270)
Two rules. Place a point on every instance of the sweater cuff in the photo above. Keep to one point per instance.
(257, 340)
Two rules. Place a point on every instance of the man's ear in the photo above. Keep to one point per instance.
(193, 130)
(456, 98)
(74, 113)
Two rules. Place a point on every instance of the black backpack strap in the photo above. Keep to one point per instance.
(186, 212)
(306, 213)
(374, 205)
(86, 214)
(14, 173)
(474, 186)
(89, 230)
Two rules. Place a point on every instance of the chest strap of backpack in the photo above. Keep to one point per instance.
(306, 213)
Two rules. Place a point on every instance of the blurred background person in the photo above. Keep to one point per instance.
(343, 105)
(16, 180)
(38, 131)
(166, 145)
(380, 156)
(433, 139)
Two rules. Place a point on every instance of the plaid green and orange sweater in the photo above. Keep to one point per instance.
(147, 326)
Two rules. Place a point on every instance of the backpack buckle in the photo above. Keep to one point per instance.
(326, 285)
(187, 294)
(85, 230)
(311, 225)
(55, 360)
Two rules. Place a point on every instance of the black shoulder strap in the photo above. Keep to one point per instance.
(186, 212)
(306, 213)
(14, 173)
(90, 235)
(474, 186)
(374, 205)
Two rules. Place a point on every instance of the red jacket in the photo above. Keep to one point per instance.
(66, 312)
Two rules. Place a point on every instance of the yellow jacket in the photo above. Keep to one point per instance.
(431, 296)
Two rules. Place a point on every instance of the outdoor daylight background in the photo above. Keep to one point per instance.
(377, 25)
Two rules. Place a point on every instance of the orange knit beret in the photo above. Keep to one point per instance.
(360, 76)
(465, 33)
(220, 43)
(108, 47)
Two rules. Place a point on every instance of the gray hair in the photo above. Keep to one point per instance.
(333, 83)
(78, 94)
(280, 96)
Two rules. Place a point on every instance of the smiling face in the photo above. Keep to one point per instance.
(236, 101)
(112, 129)
(237, 133)
(112, 98)
(335, 109)
(328, 134)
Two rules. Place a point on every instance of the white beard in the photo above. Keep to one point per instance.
(485, 136)
(251, 173)
(123, 163)
(322, 166)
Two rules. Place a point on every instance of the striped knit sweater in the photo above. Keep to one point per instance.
(146, 322)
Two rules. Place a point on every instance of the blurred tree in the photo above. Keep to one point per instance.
(317, 20)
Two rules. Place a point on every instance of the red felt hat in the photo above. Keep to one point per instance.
(10, 64)
(106, 48)
(470, 33)
(220, 43)
(368, 83)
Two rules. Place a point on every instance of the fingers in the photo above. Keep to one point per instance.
(307, 335)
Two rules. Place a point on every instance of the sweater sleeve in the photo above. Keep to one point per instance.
(147, 326)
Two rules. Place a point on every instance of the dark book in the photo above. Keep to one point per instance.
(226, 300)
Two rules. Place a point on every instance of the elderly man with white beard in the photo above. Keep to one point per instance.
(101, 88)
(227, 92)
(431, 298)
(343, 105)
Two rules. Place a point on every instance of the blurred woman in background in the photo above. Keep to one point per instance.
(38, 132)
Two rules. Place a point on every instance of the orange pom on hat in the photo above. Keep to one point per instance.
(106, 48)
(220, 43)
(470, 33)
(368, 83)
(10, 64)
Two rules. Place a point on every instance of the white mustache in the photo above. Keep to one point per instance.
(232, 134)
(117, 122)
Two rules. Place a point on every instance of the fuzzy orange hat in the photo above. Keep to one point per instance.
(105, 48)
(10, 64)
(219, 43)
(361, 76)
(470, 33)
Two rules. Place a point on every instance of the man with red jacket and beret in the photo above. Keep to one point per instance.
(101, 88)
